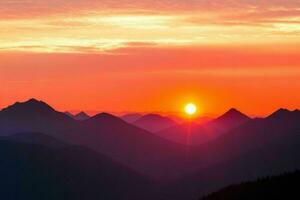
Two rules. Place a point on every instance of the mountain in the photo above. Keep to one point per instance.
(257, 148)
(32, 171)
(154, 122)
(133, 146)
(277, 187)
(81, 116)
(33, 116)
(228, 121)
(197, 134)
(104, 133)
(233, 116)
(132, 117)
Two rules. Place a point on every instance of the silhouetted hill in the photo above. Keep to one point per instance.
(284, 114)
(30, 172)
(154, 122)
(254, 148)
(226, 122)
(104, 133)
(104, 119)
(258, 148)
(200, 134)
(233, 115)
(133, 146)
(81, 116)
(132, 117)
(285, 186)
(33, 116)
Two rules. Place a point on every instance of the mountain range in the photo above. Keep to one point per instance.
(202, 133)
(154, 122)
(51, 170)
(81, 116)
(275, 187)
(39, 141)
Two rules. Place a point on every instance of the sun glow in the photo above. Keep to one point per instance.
(190, 109)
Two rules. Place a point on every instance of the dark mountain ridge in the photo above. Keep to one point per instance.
(33, 116)
(81, 116)
(276, 187)
(200, 134)
(260, 147)
(154, 122)
(34, 171)
(131, 117)
(104, 133)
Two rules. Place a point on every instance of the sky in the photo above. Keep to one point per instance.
(151, 56)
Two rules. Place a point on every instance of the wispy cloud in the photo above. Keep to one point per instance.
(91, 25)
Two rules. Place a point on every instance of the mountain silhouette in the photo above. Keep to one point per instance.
(33, 116)
(233, 115)
(154, 122)
(133, 146)
(104, 133)
(243, 150)
(32, 172)
(132, 117)
(260, 147)
(200, 134)
(81, 116)
(228, 121)
(277, 187)
(104, 119)
(284, 114)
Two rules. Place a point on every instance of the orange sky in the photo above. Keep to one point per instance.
(145, 56)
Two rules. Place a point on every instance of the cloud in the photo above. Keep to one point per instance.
(89, 26)
(37, 8)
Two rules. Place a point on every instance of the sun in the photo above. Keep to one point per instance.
(190, 109)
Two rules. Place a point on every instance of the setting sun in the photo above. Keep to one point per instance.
(190, 109)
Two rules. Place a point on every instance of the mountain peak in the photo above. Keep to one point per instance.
(131, 117)
(233, 113)
(81, 116)
(279, 112)
(104, 119)
(154, 122)
(30, 106)
(105, 116)
(153, 118)
(283, 112)
(32, 100)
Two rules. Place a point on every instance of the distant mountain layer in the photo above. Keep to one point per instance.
(154, 122)
(104, 133)
(193, 134)
(258, 148)
(130, 118)
(34, 171)
(243, 150)
(285, 186)
(81, 116)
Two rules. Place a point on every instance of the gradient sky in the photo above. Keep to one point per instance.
(151, 56)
